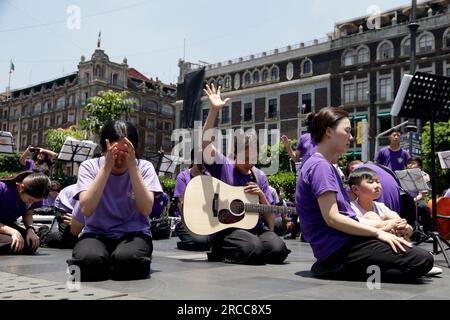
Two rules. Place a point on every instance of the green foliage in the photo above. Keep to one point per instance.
(442, 143)
(5, 174)
(107, 105)
(56, 137)
(10, 163)
(168, 185)
(287, 180)
(64, 180)
(284, 158)
(342, 162)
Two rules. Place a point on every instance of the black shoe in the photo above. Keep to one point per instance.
(214, 256)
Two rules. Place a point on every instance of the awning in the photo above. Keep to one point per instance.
(384, 114)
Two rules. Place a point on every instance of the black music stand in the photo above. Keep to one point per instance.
(427, 97)
(412, 180)
(76, 151)
(6, 143)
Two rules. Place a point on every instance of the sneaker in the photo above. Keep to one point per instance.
(434, 272)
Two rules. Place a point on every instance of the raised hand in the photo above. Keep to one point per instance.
(214, 96)
(112, 152)
(128, 152)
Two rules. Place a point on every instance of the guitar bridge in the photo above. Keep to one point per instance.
(215, 205)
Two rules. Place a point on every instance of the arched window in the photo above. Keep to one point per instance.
(247, 79)
(256, 76)
(406, 46)
(220, 82)
(363, 55)
(348, 58)
(274, 73)
(306, 66)
(385, 50)
(228, 82)
(426, 42)
(446, 40)
(265, 75)
(167, 109)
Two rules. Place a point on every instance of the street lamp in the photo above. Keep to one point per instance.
(413, 27)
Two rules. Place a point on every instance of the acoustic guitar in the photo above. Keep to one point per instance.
(211, 205)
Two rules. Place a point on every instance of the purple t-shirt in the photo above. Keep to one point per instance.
(160, 202)
(49, 201)
(45, 167)
(390, 194)
(223, 169)
(307, 146)
(396, 160)
(116, 213)
(318, 176)
(11, 206)
(65, 200)
(181, 183)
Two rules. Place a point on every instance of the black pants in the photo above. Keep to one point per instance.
(241, 246)
(353, 260)
(189, 241)
(100, 258)
(423, 213)
(6, 241)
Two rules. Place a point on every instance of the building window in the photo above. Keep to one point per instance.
(362, 90)
(426, 42)
(307, 67)
(59, 119)
(204, 115)
(385, 89)
(247, 79)
(71, 100)
(46, 122)
(134, 120)
(256, 76)
(306, 103)
(265, 75)
(35, 124)
(228, 82)
(406, 47)
(150, 139)
(151, 123)
(274, 73)
(348, 58)
(167, 110)
(37, 108)
(270, 127)
(273, 109)
(363, 55)
(349, 92)
(225, 116)
(34, 140)
(4, 127)
(61, 103)
(385, 51)
(168, 126)
(446, 40)
(248, 112)
(25, 126)
(71, 118)
(114, 78)
(448, 71)
(24, 142)
(14, 128)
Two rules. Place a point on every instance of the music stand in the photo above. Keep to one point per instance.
(6, 142)
(412, 181)
(444, 159)
(426, 96)
(74, 150)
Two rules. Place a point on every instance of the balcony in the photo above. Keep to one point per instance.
(272, 115)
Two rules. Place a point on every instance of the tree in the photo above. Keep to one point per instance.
(441, 143)
(56, 137)
(107, 105)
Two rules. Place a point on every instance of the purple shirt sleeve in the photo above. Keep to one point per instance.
(180, 184)
(29, 165)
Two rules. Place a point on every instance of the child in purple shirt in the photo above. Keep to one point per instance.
(393, 156)
(260, 245)
(342, 245)
(19, 195)
(116, 194)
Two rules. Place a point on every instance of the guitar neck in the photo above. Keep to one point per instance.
(265, 208)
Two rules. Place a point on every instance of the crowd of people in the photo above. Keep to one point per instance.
(351, 220)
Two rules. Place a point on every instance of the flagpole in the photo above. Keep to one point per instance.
(9, 97)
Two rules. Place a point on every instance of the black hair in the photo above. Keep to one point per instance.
(55, 186)
(349, 164)
(395, 130)
(36, 185)
(116, 130)
(327, 117)
(36, 153)
(359, 174)
(415, 159)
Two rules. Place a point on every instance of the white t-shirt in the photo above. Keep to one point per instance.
(378, 207)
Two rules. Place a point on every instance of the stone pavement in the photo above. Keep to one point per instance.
(179, 275)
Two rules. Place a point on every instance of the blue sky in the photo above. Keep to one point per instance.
(151, 33)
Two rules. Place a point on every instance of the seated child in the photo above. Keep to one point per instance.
(365, 185)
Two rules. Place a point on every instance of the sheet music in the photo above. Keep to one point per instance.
(6, 142)
(444, 159)
(412, 180)
(401, 94)
(84, 150)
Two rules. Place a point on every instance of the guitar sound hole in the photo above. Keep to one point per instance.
(237, 207)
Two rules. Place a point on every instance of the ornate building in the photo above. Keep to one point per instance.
(30, 111)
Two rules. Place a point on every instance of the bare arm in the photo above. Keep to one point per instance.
(144, 198)
(52, 155)
(293, 154)
(335, 220)
(24, 156)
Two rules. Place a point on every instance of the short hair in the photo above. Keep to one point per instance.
(394, 130)
(415, 159)
(55, 186)
(350, 163)
(360, 174)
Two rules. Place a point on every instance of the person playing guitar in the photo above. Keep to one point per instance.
(259, 245)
